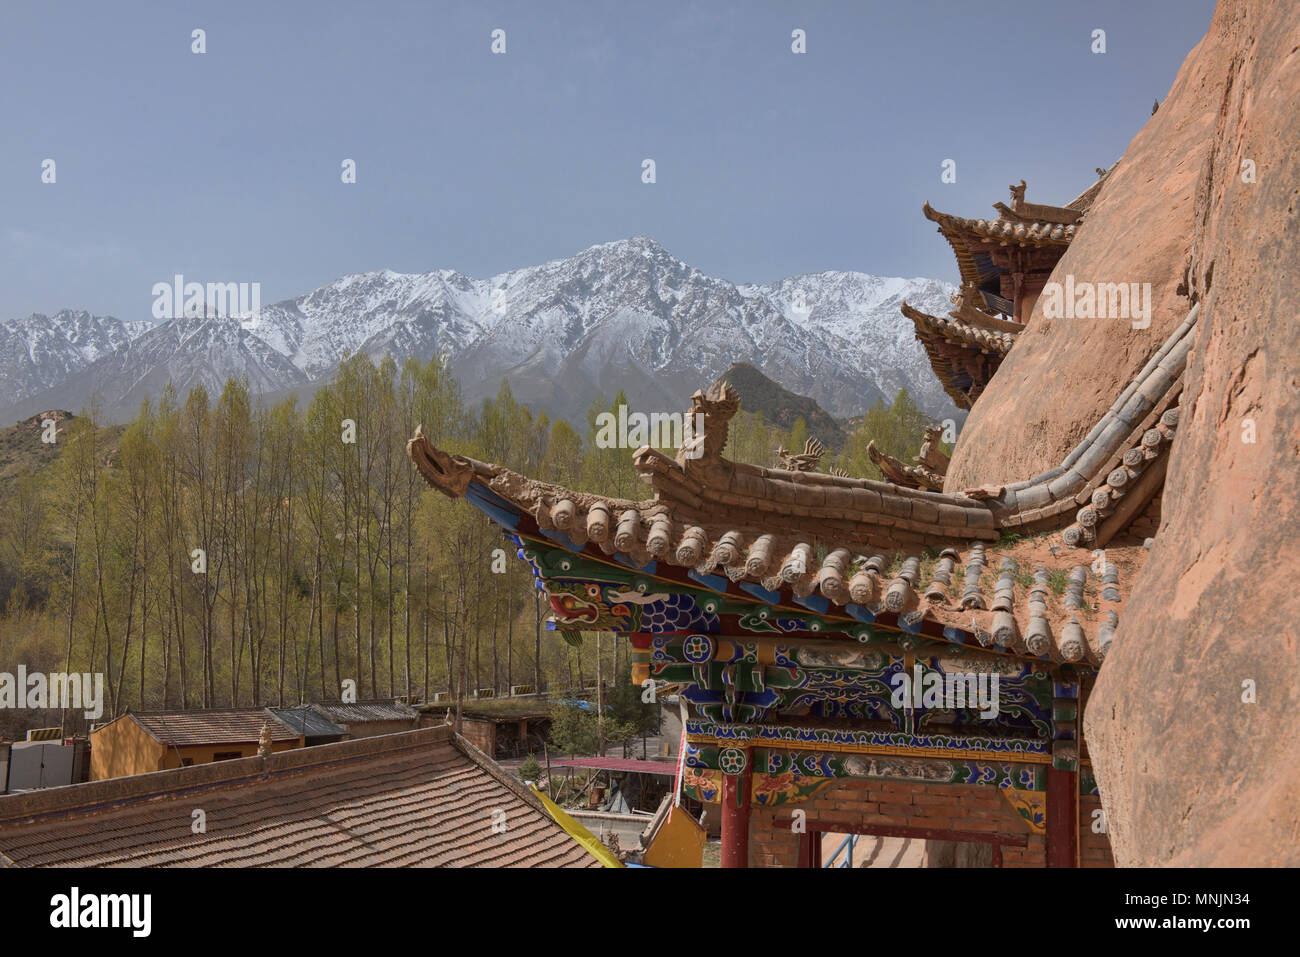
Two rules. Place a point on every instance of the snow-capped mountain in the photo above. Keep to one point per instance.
(41, 351)
(188, 352)
(858, 314)
(622, 315)
(376, 312)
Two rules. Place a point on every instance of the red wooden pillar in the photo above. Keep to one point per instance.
(810, 849)
(736, 790)
(1062, 818)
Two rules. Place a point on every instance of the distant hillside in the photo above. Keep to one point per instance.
(22, 453)
(780, 406)
(21, 450)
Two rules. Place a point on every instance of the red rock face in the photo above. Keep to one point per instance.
(1192, 772)
(1139, 230)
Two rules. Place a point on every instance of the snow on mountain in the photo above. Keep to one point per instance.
(859, 314)
(622, 315)
(374, 312)
(187, 352)
(40, 351)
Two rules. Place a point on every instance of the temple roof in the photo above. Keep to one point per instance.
(1020, 224)
(959, 331)
(963, 356)
(790, 560)
(782, 536)
(1024, 232)
(1038, 234)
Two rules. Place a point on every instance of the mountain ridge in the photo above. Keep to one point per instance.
(779, 406)
(625, 315)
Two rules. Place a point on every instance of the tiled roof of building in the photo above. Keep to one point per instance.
(359, 712)
(1083, 202)
(213, 726)
(1022, 232)
(421, 798)
(962, 333)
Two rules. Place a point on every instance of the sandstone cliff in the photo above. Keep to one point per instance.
(1189, 771)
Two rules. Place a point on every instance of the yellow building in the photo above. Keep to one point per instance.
(142, 741)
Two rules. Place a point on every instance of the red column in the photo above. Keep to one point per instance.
(810, 849)
(735, 817)
(1062, 818)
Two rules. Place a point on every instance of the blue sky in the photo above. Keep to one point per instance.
(225, 166)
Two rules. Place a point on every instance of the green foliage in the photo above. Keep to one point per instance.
(573, 729)
(752, 439)
(897, 430)
(628, 712)
(798, 438)
(530, 769)
(325, 560)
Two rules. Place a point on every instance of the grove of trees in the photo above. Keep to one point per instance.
(222, 550)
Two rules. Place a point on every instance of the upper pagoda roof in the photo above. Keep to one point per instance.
(1033, 225)
(961, 331)
(1004, 230)
(1083, 202)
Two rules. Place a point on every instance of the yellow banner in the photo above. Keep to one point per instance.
(589, 841)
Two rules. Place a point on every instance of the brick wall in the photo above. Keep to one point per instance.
(860, 804)
(1144, 525)
(480, 733)
(1094, 849)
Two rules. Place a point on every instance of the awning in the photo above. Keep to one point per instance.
(666, 768)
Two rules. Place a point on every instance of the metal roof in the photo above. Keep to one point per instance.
(668, 768)
(360, 712)
(309, 722)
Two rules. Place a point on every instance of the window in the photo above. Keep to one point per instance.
(227, 755)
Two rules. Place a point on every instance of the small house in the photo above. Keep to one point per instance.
(142, 741)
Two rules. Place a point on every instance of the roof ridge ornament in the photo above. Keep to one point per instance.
(704, 434)
(449, 474)
(1035, 212)
(805, 461)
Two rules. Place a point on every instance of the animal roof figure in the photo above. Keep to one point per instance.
(805, 461)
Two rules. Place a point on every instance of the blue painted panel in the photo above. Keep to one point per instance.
(493, 506)
(716, 583)
(758, 591)
(860, 613)
(817, 603)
